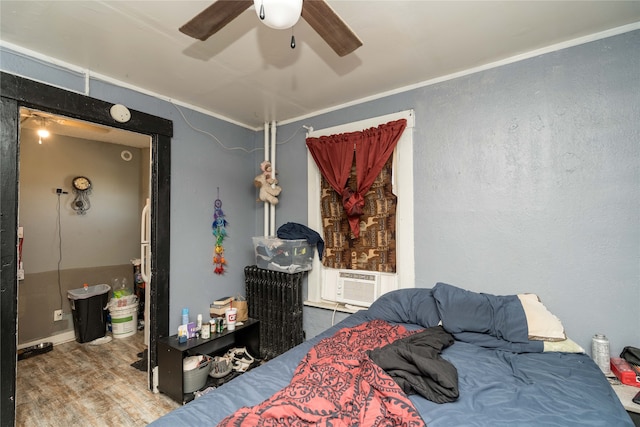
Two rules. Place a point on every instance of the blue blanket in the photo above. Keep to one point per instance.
(497, 386)
(483, 319)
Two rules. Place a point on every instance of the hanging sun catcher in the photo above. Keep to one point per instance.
(219, 231)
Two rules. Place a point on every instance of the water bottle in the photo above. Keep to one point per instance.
(185, 316)
(600, 352)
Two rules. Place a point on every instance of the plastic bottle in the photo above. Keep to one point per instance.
(600, 352)
(199, 322)
(185, 316)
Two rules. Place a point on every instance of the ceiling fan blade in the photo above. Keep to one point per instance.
(214, 18)
(330, 26)
(83, 125)
(38, 119)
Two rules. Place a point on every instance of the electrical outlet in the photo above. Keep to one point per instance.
(57, 315)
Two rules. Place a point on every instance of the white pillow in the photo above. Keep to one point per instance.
(543, 326)
(565, 346)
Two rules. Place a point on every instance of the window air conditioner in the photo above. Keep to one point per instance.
(356, 287)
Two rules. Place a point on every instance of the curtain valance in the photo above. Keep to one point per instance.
(334, 156)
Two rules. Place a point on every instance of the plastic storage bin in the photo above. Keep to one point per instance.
(289, 256)
(88, 306)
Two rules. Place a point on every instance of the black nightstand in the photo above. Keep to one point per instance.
(171, 353)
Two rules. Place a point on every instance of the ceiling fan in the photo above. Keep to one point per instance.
(39, 119)
(322, 18)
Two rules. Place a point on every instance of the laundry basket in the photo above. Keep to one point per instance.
(195, 379)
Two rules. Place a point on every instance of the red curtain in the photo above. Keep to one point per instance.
(334, 156)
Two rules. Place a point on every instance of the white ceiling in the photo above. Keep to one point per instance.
(248, 74)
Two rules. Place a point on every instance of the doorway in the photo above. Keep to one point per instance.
(18, 92)
(70, 236)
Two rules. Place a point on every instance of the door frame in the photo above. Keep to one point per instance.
(16, 92)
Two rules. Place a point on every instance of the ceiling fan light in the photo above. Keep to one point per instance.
(279, 14)
(43, 133)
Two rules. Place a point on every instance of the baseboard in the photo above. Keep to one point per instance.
(54, 339)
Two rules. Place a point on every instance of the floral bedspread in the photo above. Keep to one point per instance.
(337, 384)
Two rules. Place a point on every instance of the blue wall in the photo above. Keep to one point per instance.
(527, 180)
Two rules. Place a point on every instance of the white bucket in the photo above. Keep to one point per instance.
(124, 320)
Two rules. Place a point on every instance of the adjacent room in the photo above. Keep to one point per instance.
(461, 178)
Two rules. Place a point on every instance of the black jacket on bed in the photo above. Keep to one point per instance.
(415, 364)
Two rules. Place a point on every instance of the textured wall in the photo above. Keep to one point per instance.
(528, 180)
(109, 232)
(531, 184)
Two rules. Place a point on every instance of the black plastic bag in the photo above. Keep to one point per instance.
(631, 355)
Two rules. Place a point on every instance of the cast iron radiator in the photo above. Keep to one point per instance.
(275, 299)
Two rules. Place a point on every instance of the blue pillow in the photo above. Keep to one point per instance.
(414, 305)
(466, 311)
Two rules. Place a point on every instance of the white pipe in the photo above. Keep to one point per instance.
(272, 214)
(87, 84)
(266, 157)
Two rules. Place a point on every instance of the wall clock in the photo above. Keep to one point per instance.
(81, 183)
(82, 189)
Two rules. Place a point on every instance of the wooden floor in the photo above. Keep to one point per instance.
(87, 385)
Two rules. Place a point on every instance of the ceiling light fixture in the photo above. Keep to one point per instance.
(43, 132)
(278, 14)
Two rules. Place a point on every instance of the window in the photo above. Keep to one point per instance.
(403, 183)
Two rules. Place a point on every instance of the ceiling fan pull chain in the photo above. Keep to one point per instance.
(293, 39)
(262, 10)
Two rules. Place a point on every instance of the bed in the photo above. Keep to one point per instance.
(495, 361)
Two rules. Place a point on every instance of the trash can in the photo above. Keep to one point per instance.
(89, 309)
